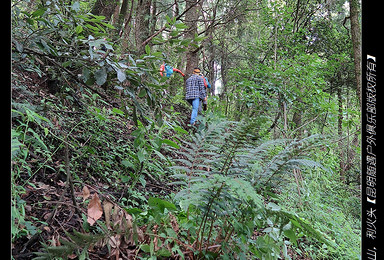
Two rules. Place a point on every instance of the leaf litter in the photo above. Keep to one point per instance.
(95, 210)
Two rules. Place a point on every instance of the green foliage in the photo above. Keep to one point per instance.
(332, 207)
(78, 244)
(260, 87)
(262, 182)
(25, 139)
(219, 196)
(79, 58)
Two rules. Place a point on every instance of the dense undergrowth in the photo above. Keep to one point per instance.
(224, 189)
(103, 165)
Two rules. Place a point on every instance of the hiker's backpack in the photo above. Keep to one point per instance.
(206, 82)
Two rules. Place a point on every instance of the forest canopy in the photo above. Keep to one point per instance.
(104, 162)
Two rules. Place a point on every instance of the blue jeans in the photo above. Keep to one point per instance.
(195, 107)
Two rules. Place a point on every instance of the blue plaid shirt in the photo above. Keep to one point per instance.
(195, 87)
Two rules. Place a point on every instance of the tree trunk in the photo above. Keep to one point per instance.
(123, 12)
(211, 65)
(340, 133)
(191, 21)
(297, 116)
(126, 30)
(152, 26)
(356, 42)
(223, 71)
(105, 8)
(142, 26)
(296, 119)
(176, 9)
(211, 51)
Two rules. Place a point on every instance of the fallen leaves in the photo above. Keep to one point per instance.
(95, 211)
(120, 237)
(122, 233)
(117, 220)
(107, 205)
(86, 193)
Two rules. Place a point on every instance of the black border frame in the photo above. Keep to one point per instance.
(371, 214)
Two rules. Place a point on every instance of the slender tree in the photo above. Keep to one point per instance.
(142, 23)
(191, 21)
(356, 42)
(105, 8)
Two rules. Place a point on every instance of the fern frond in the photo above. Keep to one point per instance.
(308, 163)
(304, 226)
(288, 158)
(79, 241)
(226, 195)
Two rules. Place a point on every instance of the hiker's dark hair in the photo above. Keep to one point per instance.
(196, 70)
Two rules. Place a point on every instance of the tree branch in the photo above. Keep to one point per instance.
(165, 26)
(48, 57)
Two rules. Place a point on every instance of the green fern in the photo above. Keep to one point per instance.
(290, 157)
(216, 171)
(78, 244)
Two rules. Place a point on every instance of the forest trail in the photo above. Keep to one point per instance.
(105, 166)
(63, 205)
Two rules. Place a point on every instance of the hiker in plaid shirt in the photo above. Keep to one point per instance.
(195, 90)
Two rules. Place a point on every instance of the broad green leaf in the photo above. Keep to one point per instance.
(121, 75)
(164, 252)
(180, 130)
(159, 204)
(110, 26)
(76, 6)
(101, 76)
(170, 143)
(19, 47)
(117, 111)
(147, 49)
(141, 155)
(168, 19)
(67, 63)
(15, 145)
(85, 75)
(291, 235)
(145, 248)
(273, 206)
(79, 29)
(134, 211)
(39, 12)
(142, 92)
(181, 26)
